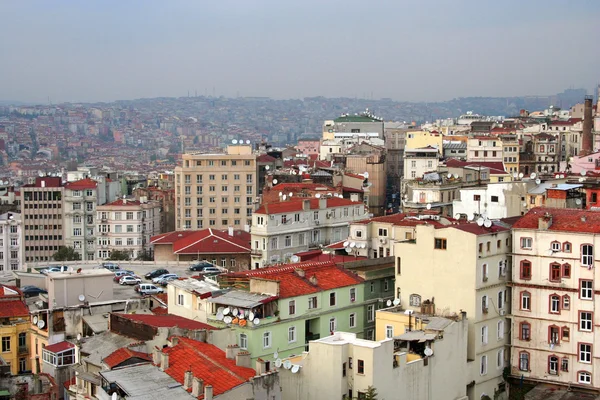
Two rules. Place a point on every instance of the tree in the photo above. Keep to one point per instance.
(145, 255)
(371, 394)
(66, 254)
(120, 255)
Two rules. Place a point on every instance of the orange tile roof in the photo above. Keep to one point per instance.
(563, 220)
(329, 276)
(290, 206)
(86, 183)
(13, 308)
(205, 241)
(123, 354)
(166, 321)
(59, 347)
(208, 363)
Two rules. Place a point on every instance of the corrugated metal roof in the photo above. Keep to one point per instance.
(238, 298)
(416, 335)
(437, 323)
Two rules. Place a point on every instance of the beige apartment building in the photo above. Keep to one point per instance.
(462, 267)
(554, 322)
(127, 225)
(80, 199)
(216, 190)
(42, 214)
(11, 250)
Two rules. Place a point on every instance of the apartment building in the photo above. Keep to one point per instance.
(510, 153)
(42, 214)
(554, 322)
(216, 190)
(14, 327)
(541, 154)
(419, 161)
(462, 267)
(484, 149)
(495, 200)
(279, 230)
(11, 250)
(127, 225)
(80, 201)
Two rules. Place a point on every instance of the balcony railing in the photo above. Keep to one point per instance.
(23, 349)
(256, 252)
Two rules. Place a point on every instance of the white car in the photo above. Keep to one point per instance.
(55, 268)
(164, 278)
(129, 280)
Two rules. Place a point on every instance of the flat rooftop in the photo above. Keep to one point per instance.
(83, 273)
(341, 338)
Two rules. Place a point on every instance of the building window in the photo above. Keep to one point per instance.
(555, 272)
(587, 255)
(266, 340)
(554, 304)
(525, 331)
(352, 295)
(566, 302)
(586, 291)
(353, 320)
(312, 302)
(483, 365)
(500, 330)
(332, 325)
(243, 341)
(5, 344)
(291, 334)
(500, 358)
(484, 335)
(332, 299)
(383, 232)
(585, 321)
(553, 334)
(484, 272)
(525, 269)
(565, 334)
(584, 377)
(526, 242)
(180, 299)
(524, 361)
(292, 307)
(585, 353)
(440, 244)
(484, 304)
(566, 247)
(564, 366)
(555, 246)
(553, 365)
(566, 270)
(370, 313)
(360, 365)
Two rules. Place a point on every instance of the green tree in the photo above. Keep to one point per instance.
(371, 394)
(145, 255)
(120, 255)
(66, 254)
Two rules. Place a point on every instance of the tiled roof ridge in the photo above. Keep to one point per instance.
(211, 234)
(287, 268)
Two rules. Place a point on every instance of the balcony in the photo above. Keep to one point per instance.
(256, 253)
(23, 349)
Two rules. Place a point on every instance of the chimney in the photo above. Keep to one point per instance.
(313, 280)
(208, 392)
(262, 366)
(587, 138)
(43, 183)
(322, 203)
(231, 351)
(187, 380)
(230, 230)
(306, 205)
(164, 361)
(174, 341)
(156, 356)
(242, 359)
(545, 222)
(197, 387)
(300, 272)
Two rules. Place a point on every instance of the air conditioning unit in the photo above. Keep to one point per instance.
(502, 312)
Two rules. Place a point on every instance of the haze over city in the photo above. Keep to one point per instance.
(409, 50)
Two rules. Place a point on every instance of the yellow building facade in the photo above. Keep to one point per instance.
(14, 330)
(420, 139)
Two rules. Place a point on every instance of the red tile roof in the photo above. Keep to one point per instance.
(329, 276)
(265, 158)
(81, 184)
(290, 206)
(166, 321)
(205, 241)
(123, 354)
(406, 220)
(495, 167)
(13, 308)
(475, 229)
(355, 176)
(208, 363)
(563, 220)
(302, 186)
(125, 203)
(7, 291)
(160, 311)
(59, 347)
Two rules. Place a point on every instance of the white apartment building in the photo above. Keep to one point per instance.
(11, 249)
(79, 224)
(554, 318)
(419, 161)
(127, 225)
(495, 200)
(484, 149)
(279, 230)
(463, 267)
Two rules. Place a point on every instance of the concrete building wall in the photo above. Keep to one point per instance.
(80, 221)
(64, 288)
(496, 200)
(376, 167)
(11, 242)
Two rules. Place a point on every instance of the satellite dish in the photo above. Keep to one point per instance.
(363, 245)
(562, 176)
(352, 245)
(290, 194)
(487, 223)
(35, 320)
(267, 167)
(455, 176)
(276, 354)
(389, 303)
(295, 369)
(287, 364)
(429, 206)
(396, 302)
(480, 221)
(278, 363)
(538, 181)
(251, 316)
(247, 142)
(41, 324)
(227, 319)
(348, 249)
(220, 310)
(226, 311)
(274, 181)
(256, 321)
(515, 175)
(284, 197)
(521, 175)
(295, 258)
(583, 172)
(318, 195)
(428, 352)
(578, 202)
(449, 175)
(533, 175)
(114, 396)
(234, 141)
(81, 297)
(220, 316)
(581, 179)
(235, 311)
(71, 270)
(366, 175)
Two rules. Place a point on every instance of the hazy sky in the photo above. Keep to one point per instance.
(414, 50)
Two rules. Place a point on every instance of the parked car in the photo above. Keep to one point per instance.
(211, 271)
(200, 266)
(147, 288)
(130, 280)
(164, 279)
(111, 266)
(156, 273)
(30, 291)
(55, 268)
(121, 273)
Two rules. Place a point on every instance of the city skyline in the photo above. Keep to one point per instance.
(91, 52)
